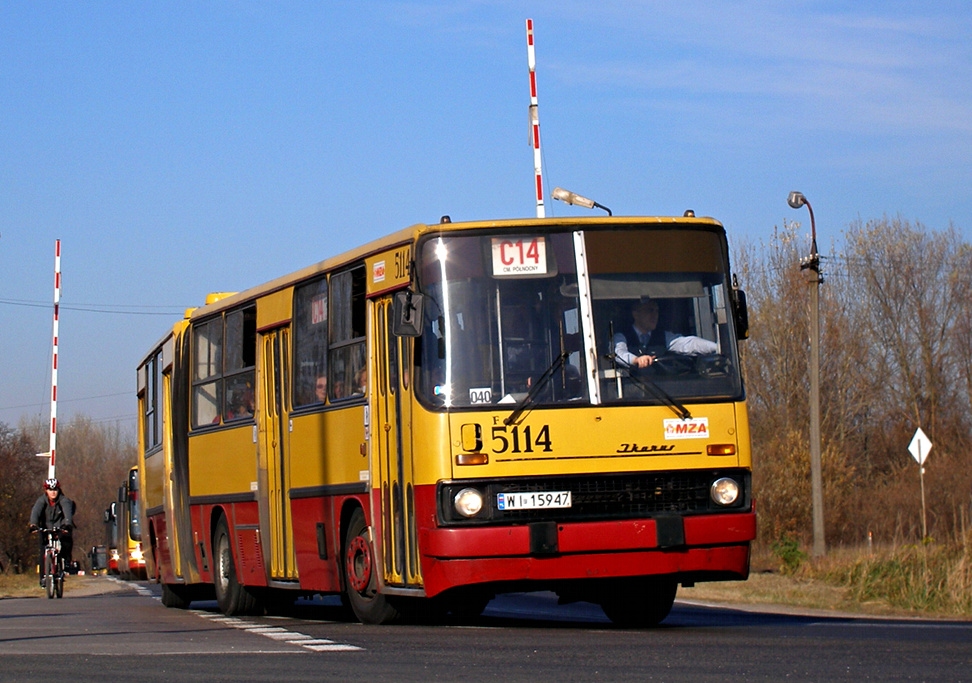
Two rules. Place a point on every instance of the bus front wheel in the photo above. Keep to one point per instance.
(361, 576)
(639, 603)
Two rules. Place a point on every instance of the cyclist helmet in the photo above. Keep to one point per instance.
(51, 484)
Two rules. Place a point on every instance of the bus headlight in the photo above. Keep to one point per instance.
(724, 491)
(468, 502)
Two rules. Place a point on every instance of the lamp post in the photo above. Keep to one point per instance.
(812, 263)
(569, 197)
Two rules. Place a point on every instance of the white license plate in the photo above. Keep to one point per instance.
(533, 500)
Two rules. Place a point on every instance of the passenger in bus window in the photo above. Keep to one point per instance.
(639, 345)
(320, 389)
(242, 403)
(361, 382)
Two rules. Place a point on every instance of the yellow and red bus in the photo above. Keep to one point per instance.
(129, 560)
(446, 413)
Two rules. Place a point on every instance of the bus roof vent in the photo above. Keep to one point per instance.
(213, 297)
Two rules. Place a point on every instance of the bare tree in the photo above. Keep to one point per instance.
(23, 473)
(896, 353)
(92, 462)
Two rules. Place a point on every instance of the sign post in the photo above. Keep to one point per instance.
(919, 447)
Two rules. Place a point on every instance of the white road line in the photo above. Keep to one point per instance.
(279, 633)
(273, 632)
(879, 624)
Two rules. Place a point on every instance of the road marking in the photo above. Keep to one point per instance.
(279, 633)
(273, 632)
(880, 624)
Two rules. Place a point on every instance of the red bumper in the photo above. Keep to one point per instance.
(715, 545)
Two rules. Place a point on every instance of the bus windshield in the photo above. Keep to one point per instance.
(507, 311)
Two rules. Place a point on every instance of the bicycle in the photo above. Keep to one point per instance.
(53, 569)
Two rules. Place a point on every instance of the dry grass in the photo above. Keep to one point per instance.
(909, 581)
(27, 585)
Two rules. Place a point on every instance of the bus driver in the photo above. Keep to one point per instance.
(639, 346)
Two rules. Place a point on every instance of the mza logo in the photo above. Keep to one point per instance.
(378, 272)
(694, 428)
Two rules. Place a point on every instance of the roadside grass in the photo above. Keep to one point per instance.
(918, 580)
(926, 578)
(20, 586)
(28, 586)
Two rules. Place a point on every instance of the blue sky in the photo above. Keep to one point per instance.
(179, 148)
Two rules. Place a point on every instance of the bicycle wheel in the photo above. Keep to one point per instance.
(49, 574)
(59, 579)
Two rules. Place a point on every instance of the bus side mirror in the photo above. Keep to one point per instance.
(407, 313)
(742, 315)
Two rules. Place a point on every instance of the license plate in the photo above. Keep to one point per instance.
(533, 500)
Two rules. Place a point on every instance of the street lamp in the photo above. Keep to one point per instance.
(812, 263)
(572, 198)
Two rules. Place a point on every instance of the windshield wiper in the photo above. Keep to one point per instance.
(650, 386)
(536, 387)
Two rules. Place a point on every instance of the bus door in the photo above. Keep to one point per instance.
(391, 436)
(275, 513)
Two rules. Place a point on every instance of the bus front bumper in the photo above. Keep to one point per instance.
(713, 547)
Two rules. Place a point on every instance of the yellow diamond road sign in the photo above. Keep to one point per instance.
(919, 447)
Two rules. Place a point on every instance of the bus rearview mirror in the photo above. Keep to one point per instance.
(407, 313)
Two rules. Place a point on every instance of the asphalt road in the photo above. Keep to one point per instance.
(525, 637)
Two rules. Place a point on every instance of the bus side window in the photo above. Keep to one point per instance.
(310, 343)
(346, 358)
(207, 349)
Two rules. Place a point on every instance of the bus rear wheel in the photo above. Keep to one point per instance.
(231, 597)
(639, 603)
(361, 576)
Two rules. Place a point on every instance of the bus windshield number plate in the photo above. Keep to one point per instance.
(533, 500)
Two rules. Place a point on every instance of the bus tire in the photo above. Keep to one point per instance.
(360, 573)
(639, 603)
(232, 597)
(175, 596)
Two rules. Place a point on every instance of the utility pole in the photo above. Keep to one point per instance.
(811, 263)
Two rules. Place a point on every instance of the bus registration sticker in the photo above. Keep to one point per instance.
(519, 256)
(533, 500)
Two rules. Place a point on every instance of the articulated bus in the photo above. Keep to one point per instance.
(130, 559)
(446, 414)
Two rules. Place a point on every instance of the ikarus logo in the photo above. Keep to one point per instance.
(693, 428)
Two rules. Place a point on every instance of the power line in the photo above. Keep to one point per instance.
(70, 400)
(116, 309)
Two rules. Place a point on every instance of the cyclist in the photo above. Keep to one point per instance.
(54, 510)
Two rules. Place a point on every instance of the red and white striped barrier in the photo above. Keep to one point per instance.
(534, 118)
